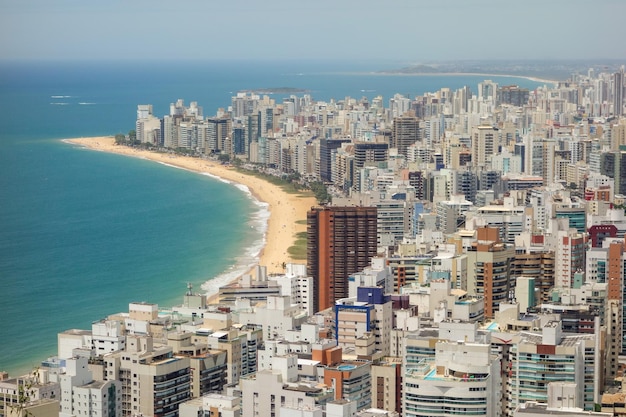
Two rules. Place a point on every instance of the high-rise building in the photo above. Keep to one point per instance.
(340, 241)
(169, 131)
(489, 269)
(570, 254)
(618, 134)
(265, 392)
(368, 152)
(538, 265)
(240, 345)
(513, 95)
(147, 126)
(487, 90)
(395, 220)
(467, 184)
(218, 129)
(538, 358)
(618, 93)
(418, 179)
(208, 372)
(606, 265)
(164, 379)
(451, 213)
(239, 139)
(387, 384)
(577, 216)
(253, 131)
(613, 165)
(82, 395)
(352, 381)
(405, 133)
(328, 148)
(463, 379)
(369, 313)
(484, 144)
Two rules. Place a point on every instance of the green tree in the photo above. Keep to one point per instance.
(120, 139)
(25, 393)
(320, 191)
(132, 136)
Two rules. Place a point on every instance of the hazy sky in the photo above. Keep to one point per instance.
(403, 30)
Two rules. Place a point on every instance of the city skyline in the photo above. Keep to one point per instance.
(406, 31)
(451, 271)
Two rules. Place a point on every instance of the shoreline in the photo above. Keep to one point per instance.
(463, 74)
(284, 209)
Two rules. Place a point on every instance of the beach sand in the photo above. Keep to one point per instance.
(285, 209)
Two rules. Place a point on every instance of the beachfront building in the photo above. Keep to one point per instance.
(82, 396)
(296, 284)
(32, 393)
(153, 380)
(340, 241)
(276, 317)
(256, 290)
(148, 126)
(107, 336)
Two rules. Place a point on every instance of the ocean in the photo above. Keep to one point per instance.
(83, 233)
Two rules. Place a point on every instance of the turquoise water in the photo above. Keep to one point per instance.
(84, 233)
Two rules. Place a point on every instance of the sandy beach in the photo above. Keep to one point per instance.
(470, 74)
(285, 209)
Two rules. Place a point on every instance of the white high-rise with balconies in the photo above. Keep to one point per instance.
(462, 379)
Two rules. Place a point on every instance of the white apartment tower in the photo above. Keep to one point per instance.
(484, 144)
(153, 381)
(82, 396)
(462, 379)
(538, 358)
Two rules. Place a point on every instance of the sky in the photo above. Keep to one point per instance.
(402, 30)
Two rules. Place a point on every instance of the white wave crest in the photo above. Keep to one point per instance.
(225, 181)
(258, 221)
(250, 257)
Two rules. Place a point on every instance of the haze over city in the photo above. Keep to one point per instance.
(402, 30)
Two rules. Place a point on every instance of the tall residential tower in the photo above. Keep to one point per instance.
(341, 241)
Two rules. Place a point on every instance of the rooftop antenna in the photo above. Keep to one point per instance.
(189, 287)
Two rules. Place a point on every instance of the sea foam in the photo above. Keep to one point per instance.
(250, 256)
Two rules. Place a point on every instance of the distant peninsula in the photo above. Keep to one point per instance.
(538, 69)
(276, 90)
